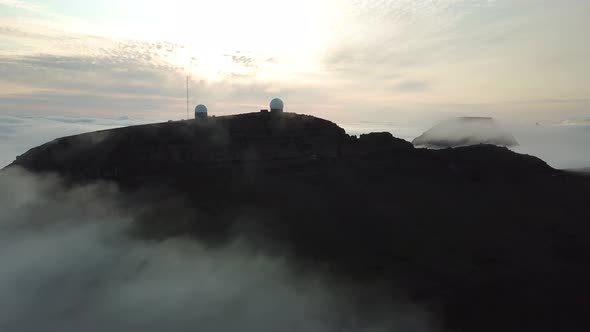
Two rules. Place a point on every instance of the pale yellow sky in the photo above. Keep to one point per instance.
(325, 57)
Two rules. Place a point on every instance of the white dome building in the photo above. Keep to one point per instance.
(276, 105)
(201, 112)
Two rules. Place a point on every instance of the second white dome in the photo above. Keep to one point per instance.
(276, 105)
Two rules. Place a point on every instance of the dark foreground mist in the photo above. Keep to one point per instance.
(69, 262)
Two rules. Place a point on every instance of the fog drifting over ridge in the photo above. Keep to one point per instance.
(561, 145)
(465, 131)
(69, 264)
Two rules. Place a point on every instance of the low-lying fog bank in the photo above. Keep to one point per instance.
(68, 263)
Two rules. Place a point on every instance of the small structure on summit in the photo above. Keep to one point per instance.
(276, 106)
(201, 112)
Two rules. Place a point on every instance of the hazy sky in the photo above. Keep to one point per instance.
(342, 59)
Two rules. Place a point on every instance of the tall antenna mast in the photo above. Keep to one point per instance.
(187, 97)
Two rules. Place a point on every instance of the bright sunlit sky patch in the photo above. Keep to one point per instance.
(343, 59)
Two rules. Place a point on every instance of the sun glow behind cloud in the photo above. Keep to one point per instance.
(283, 38)
(206, 32)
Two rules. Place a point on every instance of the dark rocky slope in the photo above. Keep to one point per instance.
(486, 238)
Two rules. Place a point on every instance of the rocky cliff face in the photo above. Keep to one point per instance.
(489, 238)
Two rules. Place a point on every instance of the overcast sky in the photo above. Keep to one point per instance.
(347, 60)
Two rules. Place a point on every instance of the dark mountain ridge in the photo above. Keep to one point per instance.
(488, 238)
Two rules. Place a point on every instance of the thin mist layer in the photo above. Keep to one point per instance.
(69, 264)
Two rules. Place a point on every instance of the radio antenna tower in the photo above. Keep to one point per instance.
(187, 116)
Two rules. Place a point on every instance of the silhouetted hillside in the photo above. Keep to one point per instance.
(489, 239)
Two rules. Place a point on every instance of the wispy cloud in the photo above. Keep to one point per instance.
(19, 4)
(412, 86)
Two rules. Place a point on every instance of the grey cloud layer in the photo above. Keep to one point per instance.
(90, 74)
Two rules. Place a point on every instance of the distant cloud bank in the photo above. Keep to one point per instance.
(18, 134)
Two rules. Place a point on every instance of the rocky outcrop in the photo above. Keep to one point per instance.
(489, 239)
